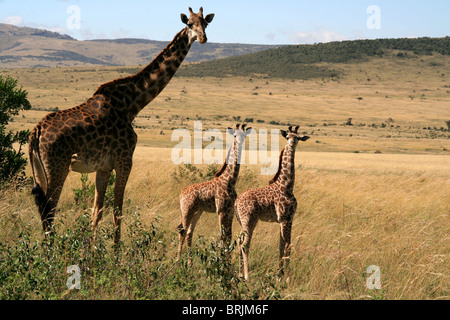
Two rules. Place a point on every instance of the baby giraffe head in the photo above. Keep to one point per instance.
(293, 137)
(240, 133)
(196, 25)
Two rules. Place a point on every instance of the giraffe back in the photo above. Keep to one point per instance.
(208, 196)
(268, 203)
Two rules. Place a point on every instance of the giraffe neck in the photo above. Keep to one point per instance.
(286, 176)
(232, 164)
(131, 94)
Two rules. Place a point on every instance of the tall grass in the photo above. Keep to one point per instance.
(141, 267)
(348, 218)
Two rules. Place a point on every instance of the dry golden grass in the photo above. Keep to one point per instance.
(390, 208)
(412, 92)
(355, 210)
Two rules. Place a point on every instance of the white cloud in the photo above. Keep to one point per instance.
(319, 35)
(121, 33)
(54, 28)
(57, 29)
(14, 20)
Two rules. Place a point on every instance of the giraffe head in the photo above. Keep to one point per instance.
(196, 25)
(239, 138)
(240, 133)
(293, 137)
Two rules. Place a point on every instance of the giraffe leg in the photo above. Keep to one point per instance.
(285, 244)
(246, 237)
(122, 173)
(190, 233)
(101, 183)
(181, 236)
(187, 214)
(225, 224)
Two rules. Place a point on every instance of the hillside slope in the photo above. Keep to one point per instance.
(22, 47)
(314, 61)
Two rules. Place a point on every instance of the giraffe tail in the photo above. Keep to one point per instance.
(38, 169)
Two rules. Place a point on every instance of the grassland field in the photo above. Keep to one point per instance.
(372, 193)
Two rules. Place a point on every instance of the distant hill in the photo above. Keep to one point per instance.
(312, 61)
(22, 47)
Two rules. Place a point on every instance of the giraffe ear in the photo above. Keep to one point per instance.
(209, 17)
(304, 138)
(284, 133)
(248, 131)
(230, 131)
(184, 18)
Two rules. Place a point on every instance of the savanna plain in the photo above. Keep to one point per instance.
(372, 186)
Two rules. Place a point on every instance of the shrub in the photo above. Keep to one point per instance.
(85, 195)
(12, 101)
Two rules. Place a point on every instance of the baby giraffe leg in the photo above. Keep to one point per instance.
(285, 245)
(246, 238)
(189, 218)
(190, 233)
(225, 224)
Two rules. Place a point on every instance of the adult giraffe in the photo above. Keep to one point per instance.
(97, 136)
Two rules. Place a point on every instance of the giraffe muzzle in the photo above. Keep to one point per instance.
(202, 38)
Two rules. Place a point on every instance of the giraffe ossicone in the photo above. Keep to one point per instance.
(97, 136)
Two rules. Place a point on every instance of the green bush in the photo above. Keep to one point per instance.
(141, 267)
(85, 195)
(12, 101)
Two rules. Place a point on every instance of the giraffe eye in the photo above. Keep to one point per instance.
(190, 25)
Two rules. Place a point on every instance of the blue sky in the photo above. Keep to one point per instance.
(244, 21)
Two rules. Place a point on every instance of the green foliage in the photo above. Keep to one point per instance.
(303, 61)
(139, 268)
(85, 195)
(12, 101)
(142, 266)
(216, 259)
(191, 174)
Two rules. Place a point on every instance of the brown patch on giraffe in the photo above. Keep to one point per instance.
(219, 173)
(275, 178)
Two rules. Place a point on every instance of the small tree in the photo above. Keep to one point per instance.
(447, 122)
(12, 101)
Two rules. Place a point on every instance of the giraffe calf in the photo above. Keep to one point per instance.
(273, 203)
(217, 195)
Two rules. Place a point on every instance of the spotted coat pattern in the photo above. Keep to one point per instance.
(97, 136)
(273, 203)
(217, 195)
